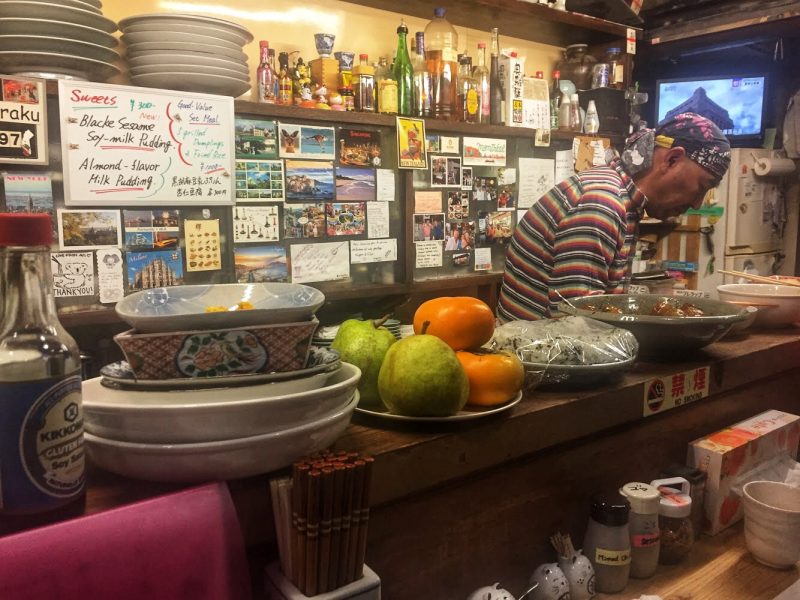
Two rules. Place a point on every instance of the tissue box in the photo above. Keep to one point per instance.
(512, 77)
(727, 454)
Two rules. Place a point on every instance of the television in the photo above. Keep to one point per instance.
(735, 104)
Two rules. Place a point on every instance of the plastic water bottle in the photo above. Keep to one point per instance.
(441, 56)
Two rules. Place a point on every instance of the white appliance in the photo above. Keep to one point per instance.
(745, 238)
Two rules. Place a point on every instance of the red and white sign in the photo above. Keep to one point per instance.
(665, 393)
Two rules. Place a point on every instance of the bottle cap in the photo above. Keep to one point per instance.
(644, 498)
(402, 27)
(481, 45)
(363, 56)
(574, 97)
(610, 510)
(439, 12)
(539, 74)
(557, 73)
(675, 500)
(263, 44)
(25, 229)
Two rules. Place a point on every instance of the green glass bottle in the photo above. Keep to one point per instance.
(404, 74)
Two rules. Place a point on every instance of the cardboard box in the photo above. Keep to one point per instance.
(512, 76)
(727, 454)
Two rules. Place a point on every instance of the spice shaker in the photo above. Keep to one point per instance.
(643, 526)
(607, 542)
(674, 510)
(697, 491)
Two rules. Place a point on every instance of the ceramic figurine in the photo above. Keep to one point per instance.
(553, 583)
(301, 80)
(580, 575)
(490, 592)
(320, 97)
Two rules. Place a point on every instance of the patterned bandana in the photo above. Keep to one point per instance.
(703, 141)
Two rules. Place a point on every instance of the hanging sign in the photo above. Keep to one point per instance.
(23, 121)
(126, 145)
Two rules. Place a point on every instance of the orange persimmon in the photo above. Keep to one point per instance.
(494, 377)
(462, 322)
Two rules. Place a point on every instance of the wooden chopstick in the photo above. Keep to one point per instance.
(761, 278)
(756, 304)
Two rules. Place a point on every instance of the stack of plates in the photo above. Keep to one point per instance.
(191, 53)
(66, 39)
(325, 335)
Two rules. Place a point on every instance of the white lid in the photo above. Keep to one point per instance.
(644, 498)
(574, 97)
(675, 500)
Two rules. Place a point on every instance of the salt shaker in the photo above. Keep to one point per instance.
(577, 567)
(607, 543)
(675, 508)
(643, 526)
(553, 584)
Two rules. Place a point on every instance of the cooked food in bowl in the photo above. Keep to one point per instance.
(243, 305)
(662, 308)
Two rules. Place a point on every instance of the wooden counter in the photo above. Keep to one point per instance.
(463, 506)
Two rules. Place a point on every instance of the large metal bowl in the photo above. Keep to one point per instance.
(660, 336)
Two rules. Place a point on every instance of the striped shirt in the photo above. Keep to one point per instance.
(576, 239)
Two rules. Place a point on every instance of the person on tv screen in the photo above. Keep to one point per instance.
(580, 237)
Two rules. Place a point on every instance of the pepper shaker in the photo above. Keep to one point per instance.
(607, 543)
(643, 525)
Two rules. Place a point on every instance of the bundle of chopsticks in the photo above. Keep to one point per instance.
(777, 280)
(321, 515)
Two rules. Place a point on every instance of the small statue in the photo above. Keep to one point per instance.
(320, 95)
(302, 80)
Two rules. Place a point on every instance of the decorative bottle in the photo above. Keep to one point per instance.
(265, 76)
(404, 74)
(469, 101)
(284, 80)
(481, 75)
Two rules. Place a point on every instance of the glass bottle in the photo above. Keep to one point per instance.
(565, 113)
(481, 75)
(275, 73)
(607, 543)
(386, 87)
(575, 123)
(555, 100)
(284, 80)
(422, 79)
(674, 519)
(616, 69)
(265, 76)
(643, 527)
(496, 93)
(364, 84)
(591, 122)
(469, 102)
(404, 73)
(41, 429)
(441, 56)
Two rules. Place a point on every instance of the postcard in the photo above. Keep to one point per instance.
(258, 180)
(461, 259)
(137, 221)
(347, 218)
(202, 245)
(145, 229)
(428, 255)
(88, 229)
(256, 139)
(160, 268)
(73, 274)
(320, 262)
(372, 251)
(427, 202)
(484, 151)
(449, 145)
(445, 171)
(355, 185)
(377, 219)
(506, 199)
(432, 144)
(483, 259)
(428, 227)
(495, 227)
(259, 264)
(359, 148)
(303, 221)
(28, 193)
(255, 224)
(460, 236)
(466, 178)
(307, 141)
(458, 204)
(309, 180)
(484, 189)
(411, 151)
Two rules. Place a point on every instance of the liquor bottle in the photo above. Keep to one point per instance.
(275, 71)
(555, 99)
(469, 102)
(364, 84)
(41, 417)
(422, 79)
(386, 87)
(441, 56)
(265, 76)
(403, 73)
(496, 93)
(284, 80)
(481, 75)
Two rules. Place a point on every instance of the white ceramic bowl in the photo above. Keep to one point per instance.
(786, 299)
(772, 522)
(204, 415)
(183, 308)
(230, 459)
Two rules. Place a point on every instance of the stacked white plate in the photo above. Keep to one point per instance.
(191, 53)
(63, 39)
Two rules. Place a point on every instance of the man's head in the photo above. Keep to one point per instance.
(675, 165)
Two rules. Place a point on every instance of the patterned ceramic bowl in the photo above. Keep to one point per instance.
(218, 353)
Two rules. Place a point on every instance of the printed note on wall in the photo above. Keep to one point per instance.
(125, 145)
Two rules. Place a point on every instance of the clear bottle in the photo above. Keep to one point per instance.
(422, 79)
(403, 73)
(575, 121)
(364, 84)
(441, 56)
(565, 113)
(591, 122)
(607, 543)
(674, 519)
(284, 80)
(41, 429)
(616, 69)
(496, 93)
(555, 100)
(386, 87)
(265, 76)
(643, 527)
(482, 77)
(469, 101)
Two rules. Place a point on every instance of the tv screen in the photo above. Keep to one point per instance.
(735, 104)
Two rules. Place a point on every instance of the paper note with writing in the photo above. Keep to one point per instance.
(110, 277)
(427, 202)
(320, 262)
(536, 104)
(429, 254)
(535, 178)
(483, 259)
(133, 145)
(73, 273)
(384, 183)
(565, 165)
(377, 219)
(372, 251)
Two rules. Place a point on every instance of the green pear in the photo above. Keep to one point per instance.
(364, 344)
(422, 377)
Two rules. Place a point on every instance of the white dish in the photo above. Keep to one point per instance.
(195, 59)
(59, 45)
(778, 305)
(80, 4)
(143, 48)
(185, 19)
(193, 82)
(230, 459)
(153, 69)
(468, 413)
(198, 30)
(184, 307)
(189, 416)
(139, 37)
(45, 27)
(44, 10)
(60, 64)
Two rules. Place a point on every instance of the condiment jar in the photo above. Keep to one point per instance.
(607, 543)
(697, 481)
(643, 526)
(674, 510)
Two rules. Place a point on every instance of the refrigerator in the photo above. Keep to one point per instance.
(748, 237)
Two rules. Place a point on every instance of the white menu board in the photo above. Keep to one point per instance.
(125, 145)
